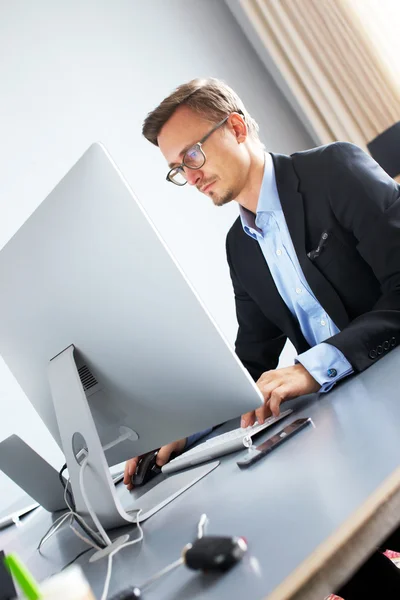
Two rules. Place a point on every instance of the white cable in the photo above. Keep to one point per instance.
(49, 533)
(95, 519)
(80, 520)
(200, 532)
(78, 517)
(63, 518)
(110, 557)
(66, 496)
(99, 526)
(201, 525)
(71, 513)
(177, 563)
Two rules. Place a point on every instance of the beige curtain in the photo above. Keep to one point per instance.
(330, 64)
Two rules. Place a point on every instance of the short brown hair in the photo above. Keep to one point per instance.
(210, 98)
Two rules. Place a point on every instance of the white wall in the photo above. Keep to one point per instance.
(75, 72)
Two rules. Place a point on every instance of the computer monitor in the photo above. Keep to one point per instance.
(88, 281)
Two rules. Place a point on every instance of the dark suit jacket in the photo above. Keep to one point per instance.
(356, 277)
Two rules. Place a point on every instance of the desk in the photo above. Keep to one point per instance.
(321, 501)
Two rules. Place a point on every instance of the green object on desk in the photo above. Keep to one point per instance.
(24, 579)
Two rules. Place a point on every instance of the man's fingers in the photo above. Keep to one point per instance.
(279, 385)
(267, 376)
(266, 389)
(164, 453)
(248, 419)
(130, 468)
(278, 396)
(263, 412)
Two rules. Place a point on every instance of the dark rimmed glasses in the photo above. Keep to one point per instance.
(194, 158)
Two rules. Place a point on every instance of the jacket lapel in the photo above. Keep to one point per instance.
(292, 204)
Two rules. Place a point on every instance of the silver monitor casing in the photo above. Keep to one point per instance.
(98, 317)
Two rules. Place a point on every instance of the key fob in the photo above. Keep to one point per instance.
(214, 553)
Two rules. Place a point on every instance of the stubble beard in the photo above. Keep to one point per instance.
(222, 200)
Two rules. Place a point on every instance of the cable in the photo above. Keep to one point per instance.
(201, 525)
(95, 519)
(49, 533)
(54, 528)
(70, 496)
(177, 563)
(72, 514)
(163, 572)
(110, 556)
(96, 542)
(99, 526)
(88, 530)
(85, 551)
(71, 505)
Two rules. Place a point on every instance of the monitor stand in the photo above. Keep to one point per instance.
(75, 422)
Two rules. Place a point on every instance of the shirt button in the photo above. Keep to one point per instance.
(323, 322)
(279, 252)
(298, 290)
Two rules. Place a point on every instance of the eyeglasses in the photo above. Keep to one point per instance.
(194, 158)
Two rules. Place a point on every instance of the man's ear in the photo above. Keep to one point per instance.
(239, 128)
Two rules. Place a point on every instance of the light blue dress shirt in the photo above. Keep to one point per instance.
(324, 362)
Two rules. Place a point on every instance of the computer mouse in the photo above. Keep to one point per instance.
(146, 469)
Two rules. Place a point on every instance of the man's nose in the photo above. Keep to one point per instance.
(193, 176)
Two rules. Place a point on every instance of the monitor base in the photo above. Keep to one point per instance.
(80, 440)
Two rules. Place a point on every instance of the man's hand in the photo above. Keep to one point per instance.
(276, 387)
(162, 458)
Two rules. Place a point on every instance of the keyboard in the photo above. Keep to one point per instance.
(234, 440)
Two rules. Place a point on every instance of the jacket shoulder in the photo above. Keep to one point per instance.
(235, 229)
(327, 151)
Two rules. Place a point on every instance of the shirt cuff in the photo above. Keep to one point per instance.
(326, 364)
(192, 439)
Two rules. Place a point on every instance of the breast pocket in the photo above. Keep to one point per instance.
(334, 255)
(327, 248)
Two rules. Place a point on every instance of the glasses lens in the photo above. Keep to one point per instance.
(194, 158)
(177, 176)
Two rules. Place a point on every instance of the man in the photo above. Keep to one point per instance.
(314, 255)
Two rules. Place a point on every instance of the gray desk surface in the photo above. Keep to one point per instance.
(298, 508)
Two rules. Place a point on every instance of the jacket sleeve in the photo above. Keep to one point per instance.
(366, 202)
(259, 342)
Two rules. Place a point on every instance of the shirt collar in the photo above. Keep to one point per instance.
(268, 200)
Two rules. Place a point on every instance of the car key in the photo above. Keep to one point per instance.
(206, 553)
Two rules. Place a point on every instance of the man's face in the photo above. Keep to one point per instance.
(224, 174)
